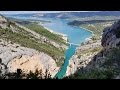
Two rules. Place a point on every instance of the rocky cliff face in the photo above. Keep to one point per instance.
(3, 22)
(16, 57)
(111, 36)
(100, 57)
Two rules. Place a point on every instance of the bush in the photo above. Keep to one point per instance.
(21, 75)
(92, 74)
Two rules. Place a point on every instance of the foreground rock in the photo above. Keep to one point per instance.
(26, 59)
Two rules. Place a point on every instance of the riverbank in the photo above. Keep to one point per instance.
(74, 61)
(89, 38)
(64, 36)
(84, 29)
(87, 30)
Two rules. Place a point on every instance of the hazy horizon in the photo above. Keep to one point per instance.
(28, 12)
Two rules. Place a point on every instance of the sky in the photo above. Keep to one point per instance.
(21, 12)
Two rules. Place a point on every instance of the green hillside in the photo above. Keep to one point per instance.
(24, 38)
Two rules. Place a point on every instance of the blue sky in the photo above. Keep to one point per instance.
(21, 12)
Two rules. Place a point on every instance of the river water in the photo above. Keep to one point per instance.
(76, 35)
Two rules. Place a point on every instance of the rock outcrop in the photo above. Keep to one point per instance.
(3, 22)
(16, 57)
(111, 36)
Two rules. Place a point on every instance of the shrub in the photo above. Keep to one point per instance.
(21, 75)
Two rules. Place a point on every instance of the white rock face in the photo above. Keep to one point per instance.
(17, 57)
(31, 63)
(3, 22)
(25, 63)
(9, 51)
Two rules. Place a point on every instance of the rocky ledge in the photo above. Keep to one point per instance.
(16, 57)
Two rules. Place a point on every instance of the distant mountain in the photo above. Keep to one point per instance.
(66, 15)
(78, 23)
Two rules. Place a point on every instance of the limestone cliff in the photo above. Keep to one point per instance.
(16, 57)
(111, 36)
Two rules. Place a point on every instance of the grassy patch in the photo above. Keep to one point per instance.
(89, 51)
(39, 29)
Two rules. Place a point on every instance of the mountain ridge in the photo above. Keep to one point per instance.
(65, 15)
